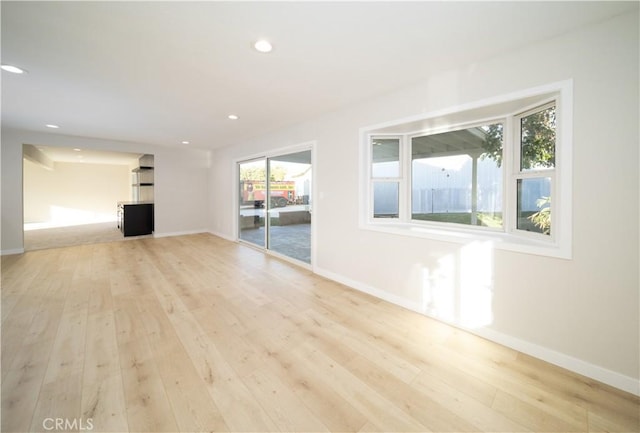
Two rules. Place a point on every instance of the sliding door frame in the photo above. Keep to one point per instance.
(306, 146)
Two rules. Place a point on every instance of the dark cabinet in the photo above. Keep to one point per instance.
(135, 219)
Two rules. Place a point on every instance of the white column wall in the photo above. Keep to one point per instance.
(582, 313)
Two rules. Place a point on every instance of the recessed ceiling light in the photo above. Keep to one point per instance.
(77, 150)
(12, 69)
(263, 46)
(50, 125)
(233, 117)
(185, 142)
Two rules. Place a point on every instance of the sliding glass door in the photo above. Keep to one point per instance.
(290, 208)
(251, 215)
(276, 215)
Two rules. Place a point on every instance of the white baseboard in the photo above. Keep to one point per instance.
(592, 371)
(568, 362)
(13, 251)
(381, 294)
(187, 232)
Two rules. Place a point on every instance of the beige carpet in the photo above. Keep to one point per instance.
(73, 235)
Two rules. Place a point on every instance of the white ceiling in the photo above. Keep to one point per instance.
(89, 156)
(164, 72)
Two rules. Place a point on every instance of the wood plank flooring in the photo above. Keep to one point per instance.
(59, 237)
(196, 333)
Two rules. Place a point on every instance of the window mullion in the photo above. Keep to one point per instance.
(405, 175)
(509, 165)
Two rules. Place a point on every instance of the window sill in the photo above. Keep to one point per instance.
(499, 240)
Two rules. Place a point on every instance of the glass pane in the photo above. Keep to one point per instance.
(251, 203)
(385, 199)
(290, 205)
(534, 205)
(385, 157)
(456, 176)
(538, 140)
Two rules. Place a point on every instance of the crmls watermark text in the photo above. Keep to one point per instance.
(57, 424)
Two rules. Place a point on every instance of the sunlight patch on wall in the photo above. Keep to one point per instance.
(438, 288)
(476, 284)
(459, 288)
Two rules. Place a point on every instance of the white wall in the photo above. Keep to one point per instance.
(181, 183)
(74, 192)
(581, 313)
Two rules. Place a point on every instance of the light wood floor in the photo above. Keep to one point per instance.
(196, 333)
(58, 237)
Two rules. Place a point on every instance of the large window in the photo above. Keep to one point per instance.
(456, 176)
(492, 170)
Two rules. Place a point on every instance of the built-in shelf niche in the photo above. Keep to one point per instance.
(143, 179)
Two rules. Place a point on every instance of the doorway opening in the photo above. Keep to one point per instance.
(70, 195)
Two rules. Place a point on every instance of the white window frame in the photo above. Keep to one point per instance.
(506, 109)
(397, 179)
(517, 173)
